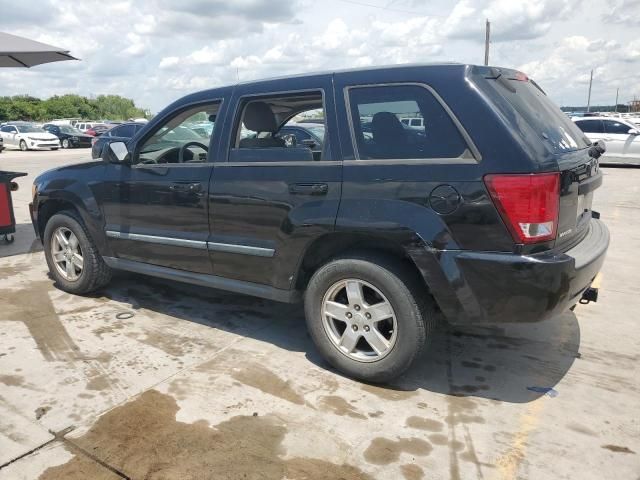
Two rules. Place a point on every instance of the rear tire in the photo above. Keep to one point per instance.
(405, 327)
(23, 146)
(88, 274)
(66, 143)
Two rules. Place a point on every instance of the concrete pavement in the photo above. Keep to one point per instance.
(149, 379)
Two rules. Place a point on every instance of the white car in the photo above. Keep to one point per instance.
(621, 137)
(413, 122)
(84, 126)
(27, 137)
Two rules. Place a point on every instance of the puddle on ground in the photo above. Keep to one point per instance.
(142, 439)
(252, 374)
(412, 471)
(257, 376)
(388, 393)
(383, 451)
(12, 380)
(618, 449)
(424, 424)
(339, 406)
(32, 306)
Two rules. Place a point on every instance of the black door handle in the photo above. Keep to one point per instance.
(186, 187)
(309, 188)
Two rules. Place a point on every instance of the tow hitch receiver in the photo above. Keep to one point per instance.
(589, 295)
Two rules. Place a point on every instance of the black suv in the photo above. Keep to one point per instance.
(482, 215)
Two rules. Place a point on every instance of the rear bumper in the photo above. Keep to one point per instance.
(482, 287)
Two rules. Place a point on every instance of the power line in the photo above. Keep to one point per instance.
(381, 7)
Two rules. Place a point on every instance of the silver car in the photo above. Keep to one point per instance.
(621, 137)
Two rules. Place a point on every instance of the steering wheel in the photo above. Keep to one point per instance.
(184, 147)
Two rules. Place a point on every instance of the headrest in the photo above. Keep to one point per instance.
(258, 117)
(386, 128)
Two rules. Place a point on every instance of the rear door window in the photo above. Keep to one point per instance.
(590, 126)
(380, 127)
(611, 126)
(124, 131)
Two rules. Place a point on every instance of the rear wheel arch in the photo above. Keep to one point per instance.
(356, 245)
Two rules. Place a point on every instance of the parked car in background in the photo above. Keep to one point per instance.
(621, 137)
(482, 218)
(83, 126)
(309, 135)
(27, 137)
(413, 122)
(98, 129)
(119, 133)
(70, 137)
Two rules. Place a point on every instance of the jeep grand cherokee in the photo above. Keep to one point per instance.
(483, 214)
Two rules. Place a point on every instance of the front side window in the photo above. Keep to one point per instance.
(590, 126)
(612, 126)
(380, 133)
(183, 138)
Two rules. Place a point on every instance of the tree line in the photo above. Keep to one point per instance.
(103, 107)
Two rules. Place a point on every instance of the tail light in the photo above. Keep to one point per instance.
(93, 141)
(528, 204)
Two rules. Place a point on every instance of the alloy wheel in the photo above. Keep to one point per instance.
(67, 254)
(359, 320)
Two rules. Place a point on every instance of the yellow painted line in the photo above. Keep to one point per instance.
(509, 463)
(597, 281)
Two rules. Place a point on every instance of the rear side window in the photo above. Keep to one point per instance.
(591, 126)
(612, 126)
(123, 131)
(380, 124)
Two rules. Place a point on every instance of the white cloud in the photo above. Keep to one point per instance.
(157, 50)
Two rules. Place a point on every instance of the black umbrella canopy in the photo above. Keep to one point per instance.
(21, 52)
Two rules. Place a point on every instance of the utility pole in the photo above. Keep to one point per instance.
(616, 108)
(487, 36)
(589, 98)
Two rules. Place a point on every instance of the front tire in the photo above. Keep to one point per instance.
(73, 259)
(23, 146)
(66, 143)
(368, 316)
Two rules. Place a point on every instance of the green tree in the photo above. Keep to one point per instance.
(107, 107)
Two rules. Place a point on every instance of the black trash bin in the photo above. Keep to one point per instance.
(7, 219)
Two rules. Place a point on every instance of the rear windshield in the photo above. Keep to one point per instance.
(544, 117)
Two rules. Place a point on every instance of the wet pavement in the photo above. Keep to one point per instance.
(149, 379)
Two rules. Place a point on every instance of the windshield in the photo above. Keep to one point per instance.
(29, 129)
(70, 130)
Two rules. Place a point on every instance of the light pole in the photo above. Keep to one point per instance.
(487, 36)
(589, 98)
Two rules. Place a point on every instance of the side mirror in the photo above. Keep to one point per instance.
(309, 142)
(115, 152)
(597, 149)
(633, 131)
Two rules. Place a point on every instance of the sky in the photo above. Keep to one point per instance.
(155, 51)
